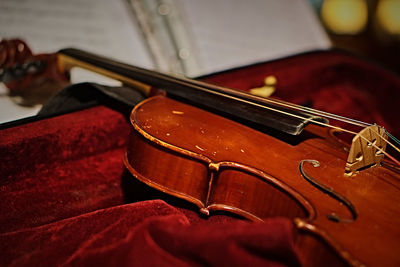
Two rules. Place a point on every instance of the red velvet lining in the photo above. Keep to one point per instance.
(64, 197)
(332, 82)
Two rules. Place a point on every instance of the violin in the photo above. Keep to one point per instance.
(226, 150)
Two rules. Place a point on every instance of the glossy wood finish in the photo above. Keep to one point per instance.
(236, 103)
(218, 164)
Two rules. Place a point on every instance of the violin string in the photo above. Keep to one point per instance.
(368, 141)
(276, 110)
(387, 141)
(214, 89)
(366, 124)
(211, 88)
(316, 112)
(229, 92)
(233, 92)
(381, 150)
(393, 137)
(314, 121)
(280, 103)
(223, 91)
(338, 117)
(392, 158)
(286, 113)
(311, 111)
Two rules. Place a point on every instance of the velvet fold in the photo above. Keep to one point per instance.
(66, 198)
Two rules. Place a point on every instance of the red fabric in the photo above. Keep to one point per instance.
(332, 82)
(65, 198)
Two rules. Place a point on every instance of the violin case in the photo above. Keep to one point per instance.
(67, 199)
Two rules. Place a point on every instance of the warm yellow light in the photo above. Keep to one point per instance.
(345, 16)
(388, 16)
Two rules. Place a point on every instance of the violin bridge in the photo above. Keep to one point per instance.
(367, 149)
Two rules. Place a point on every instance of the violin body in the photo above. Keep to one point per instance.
(219, 164)
(289, 163)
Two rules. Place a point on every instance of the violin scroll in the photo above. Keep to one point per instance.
(31, 79)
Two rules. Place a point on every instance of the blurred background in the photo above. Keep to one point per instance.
(192, 37)
(370, 28)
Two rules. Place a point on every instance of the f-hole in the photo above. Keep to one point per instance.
(332, 193)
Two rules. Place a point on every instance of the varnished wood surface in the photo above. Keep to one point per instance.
(216, 163)
(233, 102)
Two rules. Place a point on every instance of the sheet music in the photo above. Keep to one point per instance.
(101, 26)
(223, 33)
(232, 33)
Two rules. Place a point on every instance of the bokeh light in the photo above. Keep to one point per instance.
(388, 16)
(345, 16)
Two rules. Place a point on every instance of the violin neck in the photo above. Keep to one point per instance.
(232, 103)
